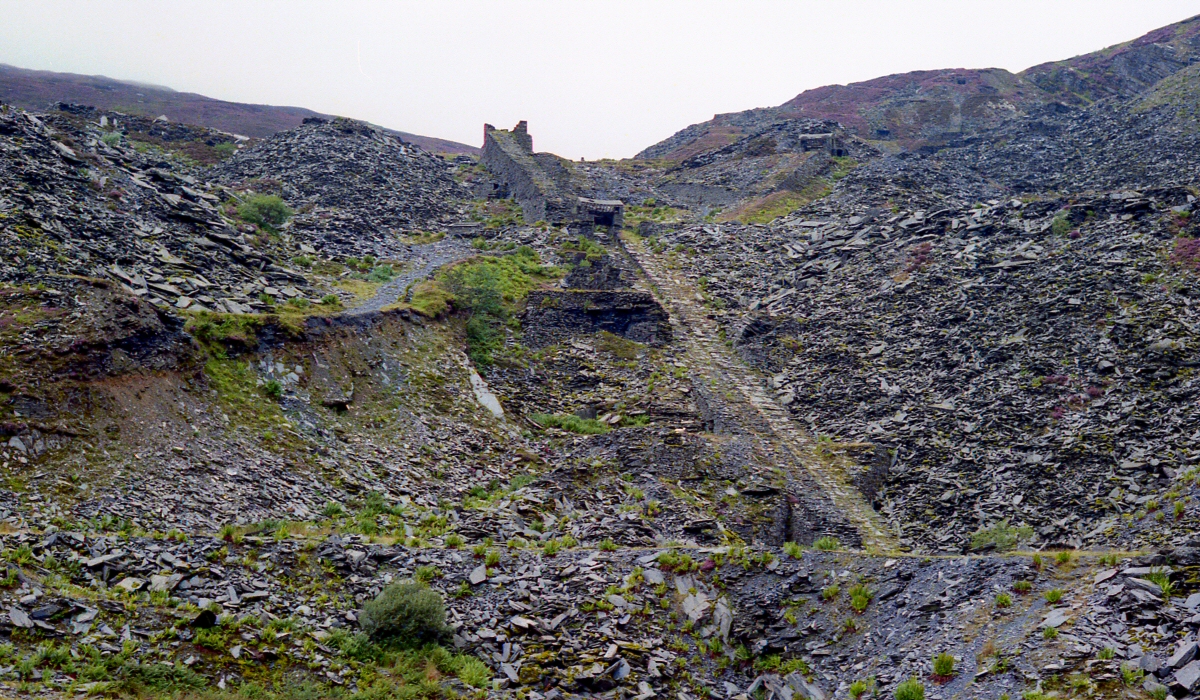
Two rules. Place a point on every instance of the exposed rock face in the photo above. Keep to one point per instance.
(603, 273)
(551, 316)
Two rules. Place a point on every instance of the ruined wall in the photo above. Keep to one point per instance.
(509, 156)
(554, 316)
(533, 179)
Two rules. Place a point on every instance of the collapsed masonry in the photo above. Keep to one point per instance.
(541, 182)
(828, 142)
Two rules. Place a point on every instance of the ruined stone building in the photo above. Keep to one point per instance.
(600, 212)
(829, 142)
(541, 182)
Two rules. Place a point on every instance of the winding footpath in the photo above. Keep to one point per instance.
(425, 260)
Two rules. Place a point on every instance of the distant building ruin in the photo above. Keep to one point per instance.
(601, 212)
(541, 182)
(830, 143)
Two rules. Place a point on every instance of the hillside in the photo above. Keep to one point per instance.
(36, 90)
(934, 108)
(806, 415)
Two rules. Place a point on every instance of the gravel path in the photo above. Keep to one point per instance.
(424, 261)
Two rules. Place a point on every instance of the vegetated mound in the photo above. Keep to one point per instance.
(191, 143)
(35, 89)
(355, 188)
(78, 199)
(940, 107)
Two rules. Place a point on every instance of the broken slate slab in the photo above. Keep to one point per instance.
(19, 617)
(1056, 618)
(1185, 654)
(1188, 676)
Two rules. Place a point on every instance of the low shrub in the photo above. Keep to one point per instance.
(273, 388)
(1002, 536)
(405, 615)
(1162, 578)
(571, 423)
(860, 597)
(264, 210)
(827, 544)
(138, 677)
(1186, 253)
(943, 665)
(473, 672)
(911, 689)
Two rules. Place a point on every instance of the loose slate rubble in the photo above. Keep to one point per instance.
(72, 204)
(870, 322)
(355, 187)
(997, 334)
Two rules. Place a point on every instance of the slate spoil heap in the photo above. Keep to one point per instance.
(988, 350)
(355, 187)
(72, 203)
(829, 416)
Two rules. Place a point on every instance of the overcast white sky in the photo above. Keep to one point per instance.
(594, 79)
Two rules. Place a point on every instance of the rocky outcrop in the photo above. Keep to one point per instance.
(555, 316)
(943, 106)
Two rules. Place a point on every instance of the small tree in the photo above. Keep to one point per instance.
(911, 689)
(943, 665)
(406, 615)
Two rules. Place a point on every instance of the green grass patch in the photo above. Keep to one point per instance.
(361, 289)
(217, 328)
(247, 403)
(582, 244)
(1003, 535)
(431, 299)
(490, 289)
(571, 423)
(615, 345)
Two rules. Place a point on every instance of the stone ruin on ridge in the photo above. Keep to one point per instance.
(541, 182)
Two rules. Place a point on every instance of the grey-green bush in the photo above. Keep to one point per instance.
(406, 615)
(264, 209)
